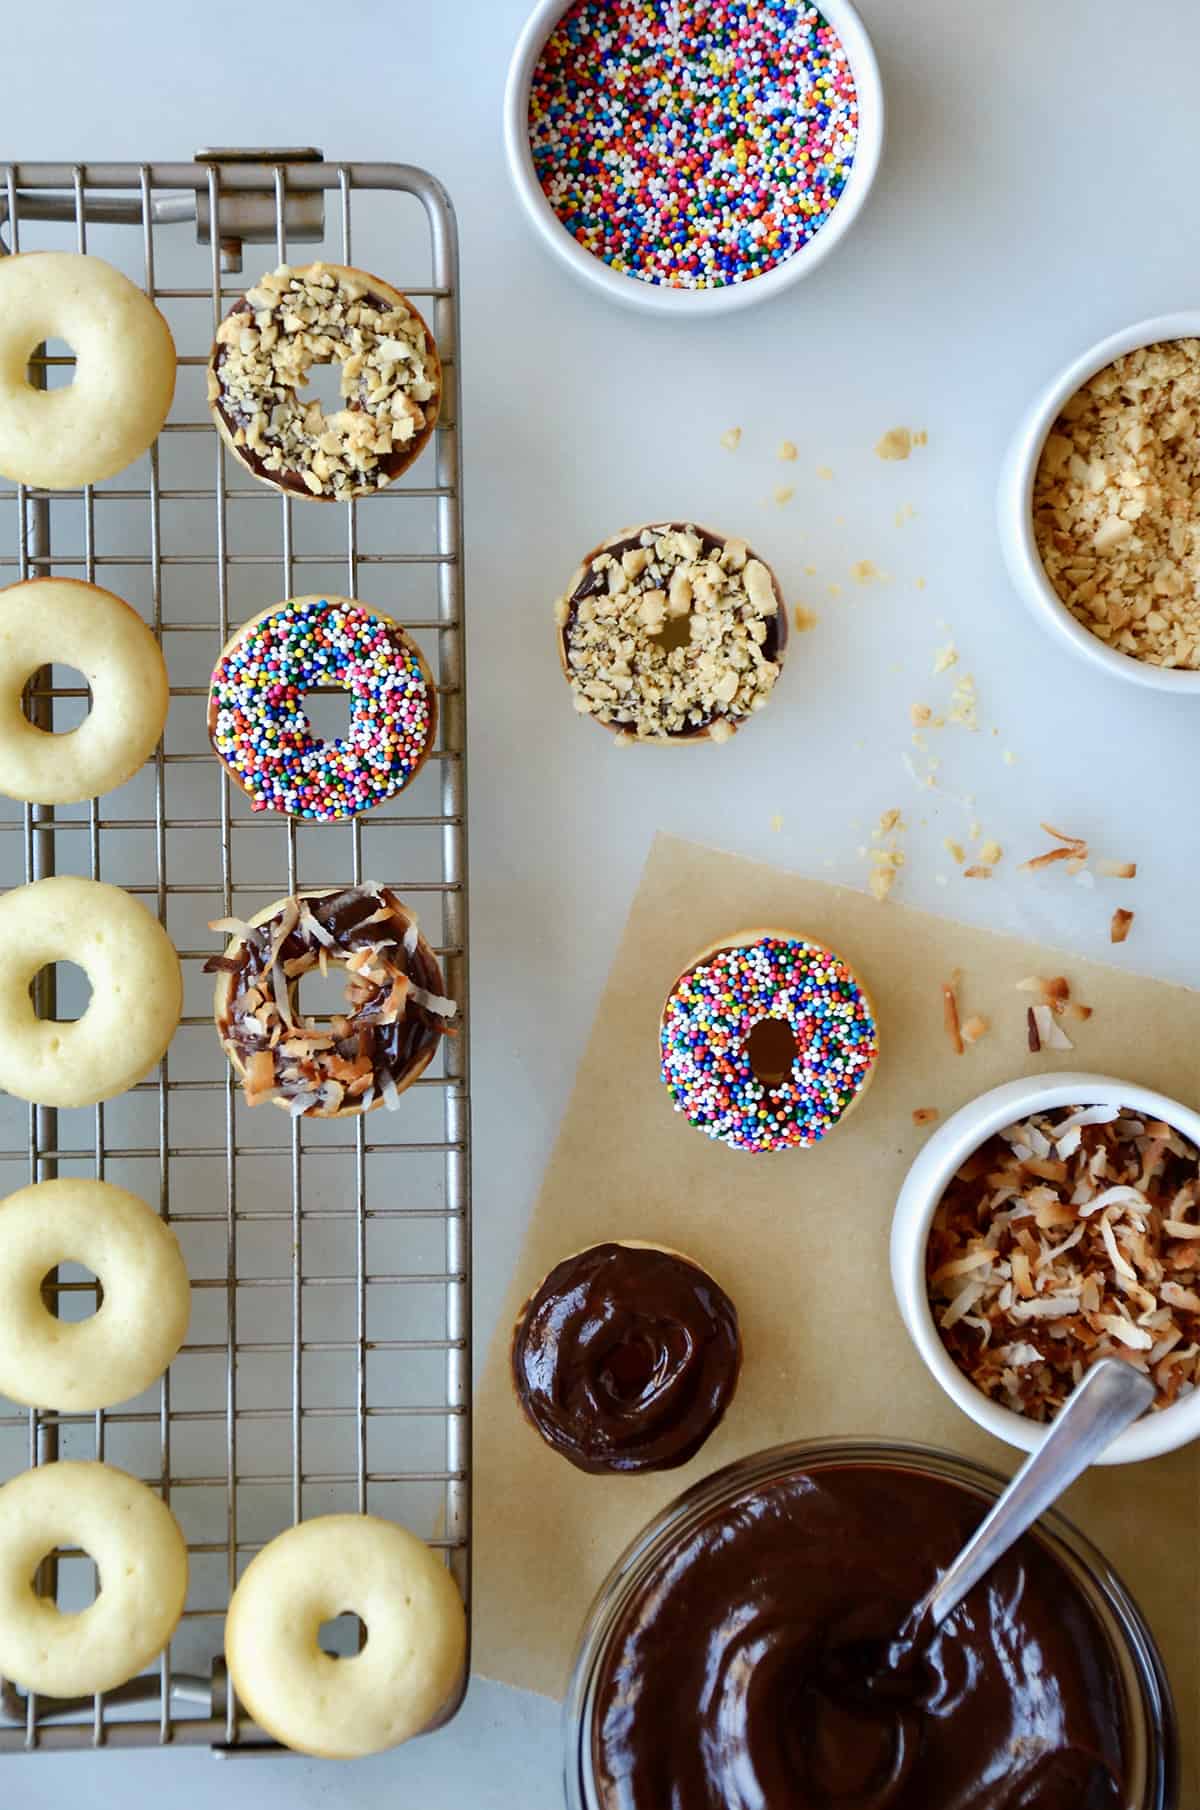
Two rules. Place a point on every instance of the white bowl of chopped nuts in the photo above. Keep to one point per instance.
(1048, 1223)
(1098, 492)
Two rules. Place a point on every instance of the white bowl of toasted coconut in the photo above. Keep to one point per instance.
(1045, 1225)
(1098, 499)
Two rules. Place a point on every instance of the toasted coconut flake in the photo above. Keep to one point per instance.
(412, 936)
(1047, 860)
(1117, 870)
(437, 1003)
(975, 1027)
(1075, 1256)
(1118, 930)
(1051, 1036)
(235, 927)
(299, 1104)
(1035, 1041)
(976, 872)
(1082, 1013)
(1061, 835)
(925, 1115)
(950, 1016)
(389, 1092)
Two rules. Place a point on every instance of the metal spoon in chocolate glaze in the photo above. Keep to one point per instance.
(1110, 1398)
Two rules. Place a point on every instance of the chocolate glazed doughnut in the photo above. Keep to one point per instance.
(626, 1358)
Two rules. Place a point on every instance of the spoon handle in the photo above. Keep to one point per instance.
(1110, 1398)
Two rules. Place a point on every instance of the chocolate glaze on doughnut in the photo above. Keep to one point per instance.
(387, 1036)
(626, 1358)
(593, 583)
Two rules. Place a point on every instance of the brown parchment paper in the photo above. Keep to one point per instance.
(800, 1240)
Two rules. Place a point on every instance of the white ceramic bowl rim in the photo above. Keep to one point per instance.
(923, 1188)
(653, 297)
(1015, 504)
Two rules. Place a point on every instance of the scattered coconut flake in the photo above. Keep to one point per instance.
(1051, 1036)
(437, 1003)
(975, 1027)
(945, 657)
(731, 439)
(1117, 870)
(925, 1115)
(950, 1015)
(1118, 929)
(975, 872)
(990, 853)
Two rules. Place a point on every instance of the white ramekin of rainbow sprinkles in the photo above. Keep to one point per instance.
(691, 158)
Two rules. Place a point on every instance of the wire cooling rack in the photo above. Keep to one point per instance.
(327, 1366)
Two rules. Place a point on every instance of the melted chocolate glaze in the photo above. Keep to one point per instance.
(593, 583)
(626, 1358)
(391, 1048)
(759, 1666)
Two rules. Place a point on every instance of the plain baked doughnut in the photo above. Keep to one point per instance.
(143, 1564)
(124, 370)
(75, 1366)
(62, 620)
(415, 1648)
(137, 991)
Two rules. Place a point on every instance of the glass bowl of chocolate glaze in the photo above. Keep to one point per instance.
(748, 1652)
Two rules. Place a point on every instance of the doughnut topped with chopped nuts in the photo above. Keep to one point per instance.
(390, 376)
(396, 1011)
(671, 633)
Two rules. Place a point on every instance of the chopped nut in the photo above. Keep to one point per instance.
(897, 443)
(1118, 930)
(1116, 502)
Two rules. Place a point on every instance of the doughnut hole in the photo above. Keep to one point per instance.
(676, 631)
(61, 993)
(344, 1637)
(328, 713)
(69, 1577)
(51, 366)
(771, 1050)
(324, 386)
(72, 1292)
(323, 996)
(56, 698)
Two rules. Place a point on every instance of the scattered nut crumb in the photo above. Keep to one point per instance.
(964, 703)
(1118, 930)
(945, 657)
(954, 849)
(804, 619)
(924, 1115)
(919, 583)
(904, 514)
(897, 443)
(824, 471)
(864, 570)
(784, 493)
(990, 853)
(787, 449)
(731, 439)
(977, 873)
(920, 714)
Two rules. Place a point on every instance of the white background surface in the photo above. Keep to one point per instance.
(1037, 191)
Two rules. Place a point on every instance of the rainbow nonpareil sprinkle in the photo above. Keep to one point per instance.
(706, 1033)
(260, 729)
(692, 143)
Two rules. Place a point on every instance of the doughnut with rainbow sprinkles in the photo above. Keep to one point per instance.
(768, 1041)
(260, 729)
